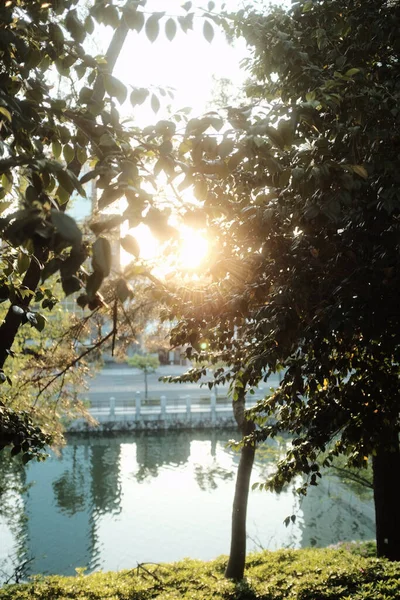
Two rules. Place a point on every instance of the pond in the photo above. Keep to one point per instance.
(112, 502)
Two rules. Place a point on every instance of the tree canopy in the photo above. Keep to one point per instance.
(306, 223)
(61, 130)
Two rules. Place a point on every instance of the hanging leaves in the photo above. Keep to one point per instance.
(208, 31)
(155, 103)
(115, 87)
(67, 227)
(152, 27)
(138, 96)
(102, 256)
(170, 29)
(130, 245)
(133, 18)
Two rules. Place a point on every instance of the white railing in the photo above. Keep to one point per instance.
(184, 406)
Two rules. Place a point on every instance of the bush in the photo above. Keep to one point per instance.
(325, 574)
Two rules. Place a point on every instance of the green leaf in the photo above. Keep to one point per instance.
(130, 245)
(68, 153)
(81, 155)
(186, 22)
(40, 322)
(115, 87)
(133, 18)
(109, 196)
(102, 256)
(23, 262)
(155, 103)
(56, 149)
(26, 457)
(152, 27)
(5, 112)
(89, 25)
(75, 27)
(70, 285)
(67, 227)
(208, 31)
(138, 96)
(93, 284)
(170, 29)
(360, 170)
(123, 290)
(65, 181)
(226, 147)
(352, 72)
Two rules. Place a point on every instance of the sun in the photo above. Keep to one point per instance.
(190, 252)
(193, 249)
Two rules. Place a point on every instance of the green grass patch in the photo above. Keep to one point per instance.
(323, 574)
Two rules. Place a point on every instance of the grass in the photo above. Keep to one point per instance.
(323, 574)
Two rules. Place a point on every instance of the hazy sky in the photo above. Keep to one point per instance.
(187, 64)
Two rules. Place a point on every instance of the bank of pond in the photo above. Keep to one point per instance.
(109, 503)
(312, 574)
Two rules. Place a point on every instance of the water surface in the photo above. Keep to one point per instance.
(112, 502)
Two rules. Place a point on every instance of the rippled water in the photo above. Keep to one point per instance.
(111, 502)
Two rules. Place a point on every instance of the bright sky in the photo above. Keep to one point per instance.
(189, 64)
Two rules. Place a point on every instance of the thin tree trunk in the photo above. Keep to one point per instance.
(145, 384)
(237, 555)
(386, 474)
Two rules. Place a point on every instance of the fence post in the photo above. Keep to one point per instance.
(112, 406)
(188, 406)
(137, 405)
(213, 406)
(163, 402)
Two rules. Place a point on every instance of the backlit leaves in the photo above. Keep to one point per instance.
(130, 245)
(152, 26)
(208, 31)
(170, 29)
(115, 87)
(67, 227)
(138, 96)
(155, 103)
(102, 256)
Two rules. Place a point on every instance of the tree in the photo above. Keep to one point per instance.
(147, 364)
(304, 211)
(52, 145)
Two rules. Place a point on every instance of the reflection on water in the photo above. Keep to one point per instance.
(112, 502)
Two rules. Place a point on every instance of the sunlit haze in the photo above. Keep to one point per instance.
(189, 65)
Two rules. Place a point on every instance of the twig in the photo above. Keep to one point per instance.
(76, 360)
(141, 566)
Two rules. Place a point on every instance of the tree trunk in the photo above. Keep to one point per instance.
(237, 555)
(386, 473)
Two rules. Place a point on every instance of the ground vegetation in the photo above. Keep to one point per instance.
(286, 574)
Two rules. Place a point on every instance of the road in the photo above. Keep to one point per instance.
(123, 382)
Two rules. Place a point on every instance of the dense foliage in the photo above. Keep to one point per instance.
(286, 574)
(304, 209)
(62, 136)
